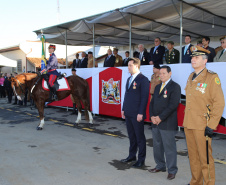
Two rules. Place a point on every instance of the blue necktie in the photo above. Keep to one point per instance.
(185, 49)
(130, 81)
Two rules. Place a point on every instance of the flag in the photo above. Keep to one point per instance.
(43, 61)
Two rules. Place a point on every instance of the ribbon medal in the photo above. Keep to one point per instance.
(201, 87)
(165, 94)
(188, 52)
(134, 85)
(156, 51)
(143, 59)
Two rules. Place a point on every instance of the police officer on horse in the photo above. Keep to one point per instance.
(52, 73)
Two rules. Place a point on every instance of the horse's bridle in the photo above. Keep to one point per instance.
(20, 85)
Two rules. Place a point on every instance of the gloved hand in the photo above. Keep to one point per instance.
(208, 132)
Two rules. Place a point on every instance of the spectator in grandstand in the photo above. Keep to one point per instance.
(118, 58)
(205, 43)
(126, 60)
(135, 54)
(221, 55)
(186, 52)
(157, 52)
(109, 60)
(76, 61)
(172, 55)
(84, 61)
(142, 55)
(199, 43)
(90, 60)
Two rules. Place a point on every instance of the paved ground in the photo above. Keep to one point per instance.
(65, 155)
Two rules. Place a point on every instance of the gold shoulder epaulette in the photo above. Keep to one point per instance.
(209, 71)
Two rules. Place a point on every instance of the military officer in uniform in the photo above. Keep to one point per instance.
(118, 58)
(155, 79)
(203, 88)
(172, 54)
(90, 60)
(134, 111)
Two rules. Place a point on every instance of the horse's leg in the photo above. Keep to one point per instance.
(79, 107)
(87, 110)
(40, 106)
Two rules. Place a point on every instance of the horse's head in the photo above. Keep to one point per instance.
(19, 84)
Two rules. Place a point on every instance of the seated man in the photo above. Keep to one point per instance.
(51, 67)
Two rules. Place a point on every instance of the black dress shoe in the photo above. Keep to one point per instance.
(155, 170)
(171, 176)
(127, 160)
(138, 164)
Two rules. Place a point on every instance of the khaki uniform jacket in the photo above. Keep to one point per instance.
(118, 61)
(173, 57)
(204, 90)
(155, 80)
(90, 63)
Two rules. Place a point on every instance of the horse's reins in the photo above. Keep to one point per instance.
(20, 86)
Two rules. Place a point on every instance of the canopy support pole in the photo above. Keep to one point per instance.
(181, 29)
(66, 49)
(130, 36)
(93, 45)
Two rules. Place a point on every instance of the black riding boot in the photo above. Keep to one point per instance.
(52, 94)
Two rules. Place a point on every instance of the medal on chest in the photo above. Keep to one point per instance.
(201, 87)
(156, 52)
(134, 85)
(143, 59)
(117, 60)
(165, 94)
(188, 52)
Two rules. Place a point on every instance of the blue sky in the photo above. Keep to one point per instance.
(18, 18)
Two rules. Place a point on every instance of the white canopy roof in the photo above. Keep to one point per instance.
(6, 62)
(150, 19)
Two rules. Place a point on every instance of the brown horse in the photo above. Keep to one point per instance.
(79, 89)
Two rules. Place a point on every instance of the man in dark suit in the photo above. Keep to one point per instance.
(83, 63)
(163, 113)
(205, 43)
(156, 53)
(186, 52)
(126, 60)
(109, 60)
(76, 61)
(142, 55)
(134, 111)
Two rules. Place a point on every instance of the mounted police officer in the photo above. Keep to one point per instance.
(51, 67)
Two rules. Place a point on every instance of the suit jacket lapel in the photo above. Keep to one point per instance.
(166, 87)
(137, 77)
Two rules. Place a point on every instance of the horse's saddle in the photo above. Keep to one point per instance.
(61, 84)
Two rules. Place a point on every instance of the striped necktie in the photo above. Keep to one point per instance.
(163, 85)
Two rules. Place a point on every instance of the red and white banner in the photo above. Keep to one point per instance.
(107, 87)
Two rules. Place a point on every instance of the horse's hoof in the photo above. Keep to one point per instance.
(39, 128)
